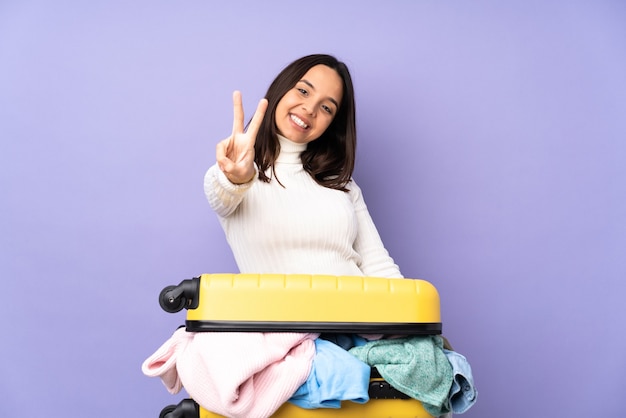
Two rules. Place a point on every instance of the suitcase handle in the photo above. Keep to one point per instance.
(185, 295)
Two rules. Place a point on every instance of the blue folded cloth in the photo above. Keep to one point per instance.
(463, 393)
(345, 341)
(336, 376)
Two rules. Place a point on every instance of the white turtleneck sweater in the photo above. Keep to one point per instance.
(301, 228)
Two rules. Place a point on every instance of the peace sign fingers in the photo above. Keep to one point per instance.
(235, 154)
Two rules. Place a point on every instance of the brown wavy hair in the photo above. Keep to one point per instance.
(330, 158)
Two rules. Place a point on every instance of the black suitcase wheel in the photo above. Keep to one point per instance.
(187, 408)
(171, 303)
(185, 295)
(166, 411)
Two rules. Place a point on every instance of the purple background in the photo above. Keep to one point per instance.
(492, 156)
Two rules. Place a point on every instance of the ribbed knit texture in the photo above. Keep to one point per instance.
(237, 375)
(301, 228)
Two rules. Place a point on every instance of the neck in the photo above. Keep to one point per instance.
(289, 151)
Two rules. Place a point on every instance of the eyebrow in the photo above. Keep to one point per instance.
(308, 83)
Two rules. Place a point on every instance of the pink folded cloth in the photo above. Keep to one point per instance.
(235, 374)
(163, 362)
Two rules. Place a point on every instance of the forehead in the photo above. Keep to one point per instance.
(325, 81)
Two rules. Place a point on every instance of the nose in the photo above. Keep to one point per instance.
(308, 106)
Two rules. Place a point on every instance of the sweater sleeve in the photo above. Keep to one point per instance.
(375, 260)
(223, 196)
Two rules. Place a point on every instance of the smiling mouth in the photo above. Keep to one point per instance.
(298, 121)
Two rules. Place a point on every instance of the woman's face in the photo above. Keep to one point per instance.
(305, 111)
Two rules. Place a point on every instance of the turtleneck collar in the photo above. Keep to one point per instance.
(289, 151)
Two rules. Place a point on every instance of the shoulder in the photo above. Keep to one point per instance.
(354, 190)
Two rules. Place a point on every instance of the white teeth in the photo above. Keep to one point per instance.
(299, 121)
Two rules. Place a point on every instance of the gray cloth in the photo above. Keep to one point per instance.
(416, 366)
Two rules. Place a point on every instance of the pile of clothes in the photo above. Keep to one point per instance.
(249, 374)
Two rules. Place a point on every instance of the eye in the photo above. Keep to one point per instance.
(327, 109)
(302, 91)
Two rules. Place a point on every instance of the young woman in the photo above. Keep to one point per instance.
(283, 187)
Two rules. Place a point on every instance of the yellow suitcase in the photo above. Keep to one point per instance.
(380, 408)
(305, 303)
(309, 303)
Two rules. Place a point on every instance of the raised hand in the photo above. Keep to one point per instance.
(235, 154)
